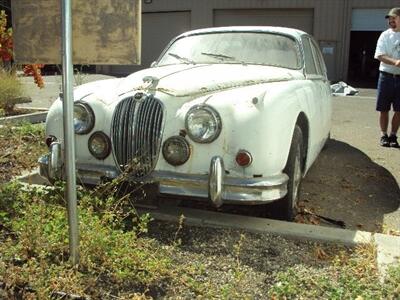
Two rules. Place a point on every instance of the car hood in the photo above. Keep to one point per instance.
(192, 80)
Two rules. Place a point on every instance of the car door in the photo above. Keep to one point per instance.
(324, 84)
(315, 97)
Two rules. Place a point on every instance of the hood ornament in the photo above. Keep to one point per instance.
(150, 82)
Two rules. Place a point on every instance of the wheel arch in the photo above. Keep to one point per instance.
(302, 122)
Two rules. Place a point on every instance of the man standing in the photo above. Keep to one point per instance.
(388, 53)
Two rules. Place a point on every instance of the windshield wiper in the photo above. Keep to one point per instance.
(182, 59)
(219, 56)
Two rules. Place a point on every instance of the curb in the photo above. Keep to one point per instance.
(32, 178)
(388, 246)
(36, 117)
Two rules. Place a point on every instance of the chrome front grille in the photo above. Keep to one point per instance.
(136, 133)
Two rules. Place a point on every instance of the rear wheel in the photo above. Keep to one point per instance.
(286, 208)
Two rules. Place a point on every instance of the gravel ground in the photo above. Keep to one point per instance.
(225, 253)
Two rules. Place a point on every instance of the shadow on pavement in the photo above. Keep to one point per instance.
(345, 184)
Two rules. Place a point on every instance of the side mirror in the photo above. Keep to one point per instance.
(153, 64)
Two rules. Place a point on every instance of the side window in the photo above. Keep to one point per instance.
(319, 59)
(311, 68)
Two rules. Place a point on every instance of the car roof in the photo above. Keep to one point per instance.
(296, 33)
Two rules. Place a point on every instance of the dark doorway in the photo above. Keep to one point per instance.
(363, 68)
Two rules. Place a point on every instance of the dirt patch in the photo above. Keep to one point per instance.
(355, 179)
(345, 184)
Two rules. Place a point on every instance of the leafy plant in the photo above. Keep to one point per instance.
(37, 256)
(10, 90)
(7, 54)
(19, 148)
(346, 277)
(6, 42)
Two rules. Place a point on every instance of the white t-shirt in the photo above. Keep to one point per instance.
(388, 44)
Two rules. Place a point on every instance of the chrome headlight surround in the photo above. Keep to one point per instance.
(83, 118)
(203, 123)
(99, 145)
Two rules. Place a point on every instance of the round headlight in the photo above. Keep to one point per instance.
(176, 150)
(83, 118)
(203, 124)
(99, 145)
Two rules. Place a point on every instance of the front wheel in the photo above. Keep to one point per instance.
(286, 208)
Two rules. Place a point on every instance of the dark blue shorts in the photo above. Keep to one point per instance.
(388, 92)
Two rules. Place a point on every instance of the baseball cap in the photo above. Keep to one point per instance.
(393, 12)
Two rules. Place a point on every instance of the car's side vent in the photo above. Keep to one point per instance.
(136, 134)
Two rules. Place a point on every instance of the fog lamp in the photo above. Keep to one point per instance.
(99, 145)
(176, 150)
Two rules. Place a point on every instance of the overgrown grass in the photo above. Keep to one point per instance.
(10, 88)
(352, 276)
(116, 258)
(20, 147)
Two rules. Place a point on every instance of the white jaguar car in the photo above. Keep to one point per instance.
(228, 115)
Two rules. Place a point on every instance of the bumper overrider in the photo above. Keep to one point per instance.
(215, 186)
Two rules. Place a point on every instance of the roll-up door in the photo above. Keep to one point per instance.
(368, 19)
(366, 26)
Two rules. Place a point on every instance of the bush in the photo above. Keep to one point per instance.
(10, 91)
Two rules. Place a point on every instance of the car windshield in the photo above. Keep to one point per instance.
(236, 48)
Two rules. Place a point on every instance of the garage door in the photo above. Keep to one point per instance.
(296, 18)
(368, 20)
(157, 30)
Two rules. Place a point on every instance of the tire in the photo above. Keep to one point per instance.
(286, 208)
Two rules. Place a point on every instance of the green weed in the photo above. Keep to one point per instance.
(353, 276)
(10, 89)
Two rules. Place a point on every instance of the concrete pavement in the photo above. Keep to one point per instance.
(43, 98)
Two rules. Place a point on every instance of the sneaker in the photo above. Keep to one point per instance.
(385, 141)
(393, 141)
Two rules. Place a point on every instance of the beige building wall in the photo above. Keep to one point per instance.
(329, 21)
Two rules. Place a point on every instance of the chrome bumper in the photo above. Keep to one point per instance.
(215, 186)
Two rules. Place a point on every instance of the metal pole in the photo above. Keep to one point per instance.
(69, 134)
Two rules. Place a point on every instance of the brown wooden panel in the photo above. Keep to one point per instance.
(104, 31)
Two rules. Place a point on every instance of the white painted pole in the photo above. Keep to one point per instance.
(69, 134)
